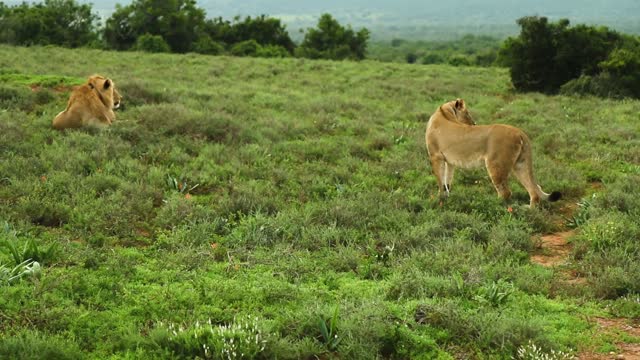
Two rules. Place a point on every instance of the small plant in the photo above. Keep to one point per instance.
(30, 251)
(180, 186)
(532, 352)
(582, 215)
(383, 253)
(495, 294)
(240, 339)
(458, 283)
(328, 331)
(26, 268)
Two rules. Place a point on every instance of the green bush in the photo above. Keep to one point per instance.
(246, 48)
(333, 41)
(272, 51)
(151, 43)
(206, 45)
(31, 345)
(459, 60)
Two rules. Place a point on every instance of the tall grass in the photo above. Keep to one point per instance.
(298, 192)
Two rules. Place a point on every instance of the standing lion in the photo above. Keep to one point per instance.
(453, 140)
(90, 104)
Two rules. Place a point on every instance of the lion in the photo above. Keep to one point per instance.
(454, 140)
(91, 104)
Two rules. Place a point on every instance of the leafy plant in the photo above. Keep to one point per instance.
(582, 214)
(9, 275)
(30, 251)
(180, 186)
(242, 338)
(495, 294)
(329, 331)
(533, 352)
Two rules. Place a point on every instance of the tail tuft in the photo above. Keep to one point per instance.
(555, 196)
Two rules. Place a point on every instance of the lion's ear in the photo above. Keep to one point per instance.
(107, 84)
(459, 104)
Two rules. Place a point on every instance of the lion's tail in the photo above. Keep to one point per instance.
(526, 157)
(554, 196)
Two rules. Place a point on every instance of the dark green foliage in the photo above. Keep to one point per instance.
(206, 45)
(581, 59)
(52, 22)
(459, 60)
(531, 56)
(29, 345)
(411, 58)
(245, 48)
(475, 50)
(178, 22)
(266, 31)
(330, 40)
(151, 43)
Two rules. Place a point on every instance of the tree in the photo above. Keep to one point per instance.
(333, 41)
(54, 22)
(178, 22)
(531, 55)
(547, 55)
(264, 30)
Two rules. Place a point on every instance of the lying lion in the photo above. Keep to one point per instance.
(453, 140)
(90, 104)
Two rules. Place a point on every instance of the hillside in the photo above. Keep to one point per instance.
(286, 209)
(434, 20)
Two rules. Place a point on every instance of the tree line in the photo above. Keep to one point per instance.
(552, 57)
(177, 26)
(549, 57)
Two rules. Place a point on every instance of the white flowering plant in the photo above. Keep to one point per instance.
(240, 339)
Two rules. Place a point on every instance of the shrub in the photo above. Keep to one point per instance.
(433, 58)
(206, 45)
(272, 51)
(246, 48)
(459, 60)
(151, 43)
(333, 41)
(242, 338)
(411, 58)
(30, 345)
(603, 85)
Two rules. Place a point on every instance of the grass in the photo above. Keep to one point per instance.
(297, 194)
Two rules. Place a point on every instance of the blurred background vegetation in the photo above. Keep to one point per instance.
(546, 56)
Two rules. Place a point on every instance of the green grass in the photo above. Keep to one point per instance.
(298, 194)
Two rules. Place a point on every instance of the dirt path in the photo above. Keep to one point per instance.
(554, 250)
(626, 351)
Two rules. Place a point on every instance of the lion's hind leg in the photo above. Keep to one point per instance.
(523, 173)
(449, 170)
(439, 168)
(500, 178)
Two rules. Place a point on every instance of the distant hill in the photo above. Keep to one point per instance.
(417, 18)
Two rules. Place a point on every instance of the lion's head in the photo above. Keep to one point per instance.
(460, 111)
(106, 90)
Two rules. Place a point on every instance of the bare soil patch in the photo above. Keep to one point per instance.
(626, 351)
(554, 249)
